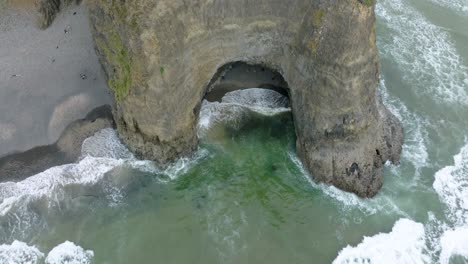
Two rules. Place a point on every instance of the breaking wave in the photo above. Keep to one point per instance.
(20, 253)
(425, 52)
(416, 137)
(405, 244)
(349, 201)
(451, 184)
(236, 108)
(69, 253)
(435, 70)
(65, 253)
(27, 205)
(456, 5)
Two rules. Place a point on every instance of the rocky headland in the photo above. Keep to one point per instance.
(163, 58)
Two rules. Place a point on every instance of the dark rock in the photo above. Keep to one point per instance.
(67, 149)
(48, 10)
(160, 67)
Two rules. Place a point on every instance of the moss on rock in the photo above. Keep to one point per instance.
(117, 54)
(317, 17)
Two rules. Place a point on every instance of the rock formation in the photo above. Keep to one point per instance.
(67, 149)
(48, 10)
(161, 57)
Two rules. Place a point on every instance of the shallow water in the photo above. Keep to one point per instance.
(244, 196)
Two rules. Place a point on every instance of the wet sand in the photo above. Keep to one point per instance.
(48, 78)
(67, 149)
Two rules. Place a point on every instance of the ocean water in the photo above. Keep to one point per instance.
(244, 197)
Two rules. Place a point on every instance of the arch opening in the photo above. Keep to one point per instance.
(242, 96)
(240, 76)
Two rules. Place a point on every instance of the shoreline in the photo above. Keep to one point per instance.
(48, 78)
(19, 166)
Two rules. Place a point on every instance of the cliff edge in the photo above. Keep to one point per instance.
(161, 57)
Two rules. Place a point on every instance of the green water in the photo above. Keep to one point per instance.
(246, 202)
(245, 198)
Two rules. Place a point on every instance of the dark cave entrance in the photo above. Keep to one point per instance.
(240, 75)
(264, 102)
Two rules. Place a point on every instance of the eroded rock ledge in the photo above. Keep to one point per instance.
(160, 57)
(48, 10)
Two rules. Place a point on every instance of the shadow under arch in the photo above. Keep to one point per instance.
(237, 76)
(240, 75)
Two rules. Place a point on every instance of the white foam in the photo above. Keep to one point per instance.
(183, 165)
(451, 184)
(69, 253)
(25, 205)
(404, 244)
(236, 106)
(424, 52)
(454, 243)
(456, 5)
(414, 147)
(105, 144)
(215, 112)
(347, 200)
(49, 190)
(19, 253)
(51, 183)
(257, 98)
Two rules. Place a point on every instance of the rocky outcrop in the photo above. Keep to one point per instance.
(48, 10)
(161, 57)
(67, 149)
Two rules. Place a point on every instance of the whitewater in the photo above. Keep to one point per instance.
(139, 212)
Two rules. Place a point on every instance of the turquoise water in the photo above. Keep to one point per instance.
(244, 196)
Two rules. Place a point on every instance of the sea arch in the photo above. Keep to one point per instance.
(160, 57)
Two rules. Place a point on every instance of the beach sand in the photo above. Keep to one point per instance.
(48, 78)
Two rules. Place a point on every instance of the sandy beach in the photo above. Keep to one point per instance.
(48, 78)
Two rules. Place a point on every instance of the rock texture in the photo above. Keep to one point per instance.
(67, 149)
(48, 10)
(160, 57)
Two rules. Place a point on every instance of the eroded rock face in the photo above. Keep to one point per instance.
(48, 10)
(67, 149)
(160, 56)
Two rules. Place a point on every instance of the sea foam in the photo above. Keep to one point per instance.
(235, 108)
(424, 52)
(460, 6)
(349, 201)
(404, 244)
(69, 253)
(66, 253)
(50, 191)
(454, 243)
(416, 137)
(20, 253)
(451, 184)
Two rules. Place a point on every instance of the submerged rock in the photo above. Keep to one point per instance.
(162, 57)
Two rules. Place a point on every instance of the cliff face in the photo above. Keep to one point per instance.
(48, 10)
(160, 56)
